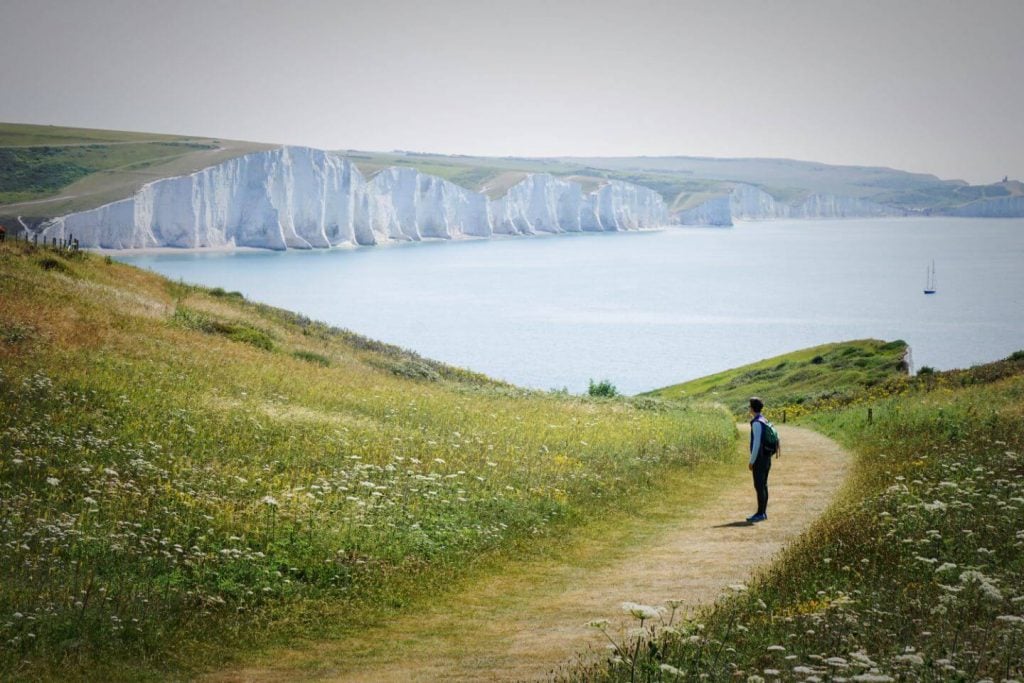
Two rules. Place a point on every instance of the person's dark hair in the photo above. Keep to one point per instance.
(757, 404)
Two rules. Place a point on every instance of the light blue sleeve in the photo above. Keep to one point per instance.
(755, 448)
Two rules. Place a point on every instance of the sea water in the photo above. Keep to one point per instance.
(649, 309)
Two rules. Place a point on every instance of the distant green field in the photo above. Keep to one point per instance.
(479, 174)
(796, 378)
(28, 173)
(51, 170)
(25, 134)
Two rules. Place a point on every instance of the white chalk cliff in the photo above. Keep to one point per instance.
(997, 207)
(749, 203)
(301, 198)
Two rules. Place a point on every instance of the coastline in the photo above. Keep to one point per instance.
(232, 249)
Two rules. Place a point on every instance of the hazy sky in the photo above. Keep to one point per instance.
(923, 85)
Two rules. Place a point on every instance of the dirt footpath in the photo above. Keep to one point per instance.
(529, 621)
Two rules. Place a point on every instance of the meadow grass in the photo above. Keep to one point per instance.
(29, 134)
(32, 172)
(795, 381)
(914, 574)
(186, 476)
(60, 170)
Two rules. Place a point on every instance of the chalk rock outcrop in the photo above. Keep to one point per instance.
(749, 203)
(998, 207)
(301, 198)
(716, 211)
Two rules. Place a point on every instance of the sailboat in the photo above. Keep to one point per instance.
(929, 283)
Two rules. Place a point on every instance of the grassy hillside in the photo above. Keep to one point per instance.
(830, 371)
(787, 176)
(47, 171)
(51, 170)
(494, 175)
(185, 474)
(913, 575)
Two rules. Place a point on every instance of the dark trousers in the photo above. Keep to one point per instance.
(762, 466)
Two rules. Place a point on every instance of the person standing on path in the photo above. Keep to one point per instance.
(760, 461)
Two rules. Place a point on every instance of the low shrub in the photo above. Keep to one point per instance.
(250, 335)
(311, 357)
(604, 389)
(236, 331)
(52, 263)
(220, 292)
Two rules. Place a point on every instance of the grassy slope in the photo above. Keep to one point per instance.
(185, 475)
(114, 164)
(73, 169)
(913, 575)
(792, 379)
(788, 179)
(494, 175)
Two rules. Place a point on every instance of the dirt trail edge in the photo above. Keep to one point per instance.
(529, 621)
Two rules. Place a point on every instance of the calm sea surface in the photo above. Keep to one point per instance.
(650, 309)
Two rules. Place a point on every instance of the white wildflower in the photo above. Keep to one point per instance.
(861, 657)
(53, 481)
(985, 584)
(269, 500)
(639, 611)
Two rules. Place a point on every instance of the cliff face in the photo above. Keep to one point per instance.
(300, 198)
(716, 211)
(749, 203)
(999, 207)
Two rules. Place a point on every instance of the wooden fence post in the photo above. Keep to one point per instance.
(870, 416)
(783, 417)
